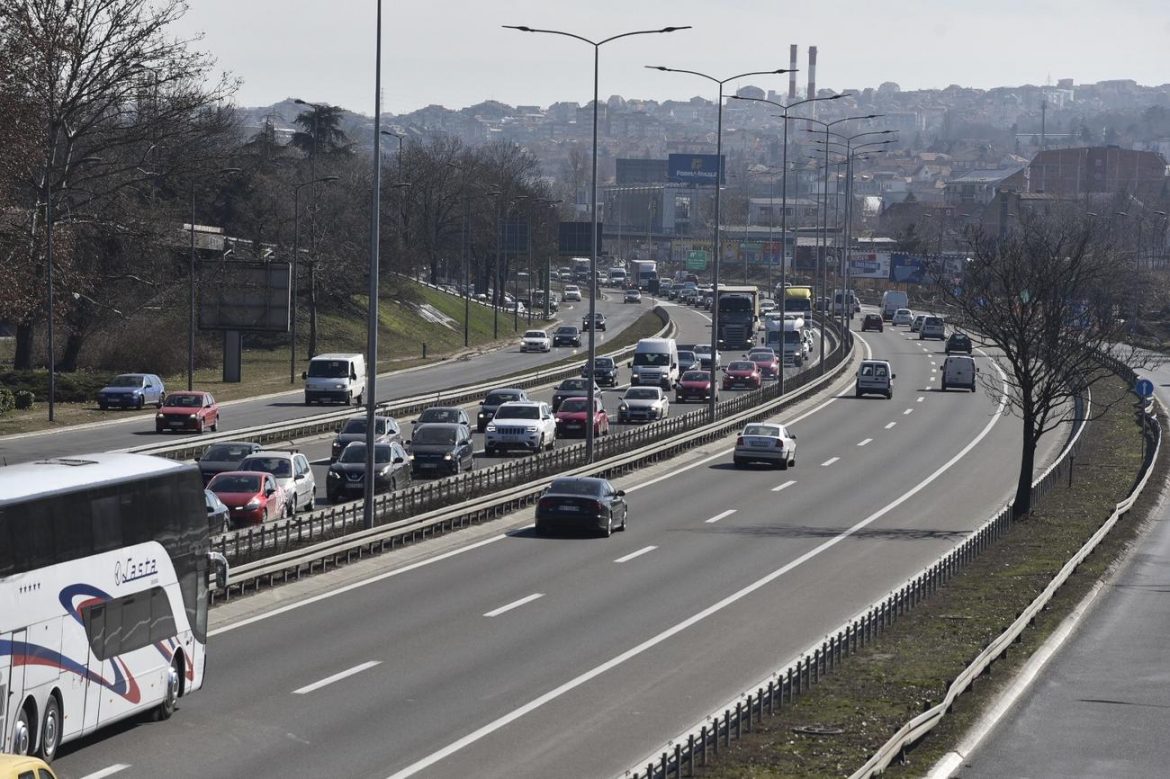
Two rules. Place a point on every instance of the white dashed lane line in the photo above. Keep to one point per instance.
(863, 443)
(514, 604)
(337, 677)
(829, 462)
(920, 399)
(720, 516)
(890, 425)
(908, 411)
(107, 771)
(783, 486)
(638, 553)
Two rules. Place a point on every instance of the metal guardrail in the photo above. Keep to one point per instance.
(282, 432)
(795, 679)
(298, 546)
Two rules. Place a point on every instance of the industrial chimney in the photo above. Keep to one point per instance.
(812, 71)
(792, 53)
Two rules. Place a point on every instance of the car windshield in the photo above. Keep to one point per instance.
(575, 404)
(357, 426)
(356, 453)
(235, 482)
(652, 358)
(578, 487)
(641, 393)
(734, 304)
(768, 430)
(125, 381)
(742, 366)
(496, 398)
(758, 356)
(434, 435)
(703, 350)
(791, 337)
(185, 401)
(567, 330)
(932, 320)
(439, 415)
(573, 384)
(603, 363)
(218, 453)
(518, 412)
(686, 357)
(329, 369)
(696, 376)
(534, 334)
(277, 466)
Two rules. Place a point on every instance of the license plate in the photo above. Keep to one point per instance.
(427, 465)
(570, 507)
(176, 424)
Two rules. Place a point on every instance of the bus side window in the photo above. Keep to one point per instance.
(135, 621)
(7, 560)
(95, 629)
(162, 620)
(107, 529)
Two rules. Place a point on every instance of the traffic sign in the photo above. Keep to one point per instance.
(697, 260)
(1144, 388)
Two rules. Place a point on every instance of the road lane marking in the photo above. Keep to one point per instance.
(720, 516)
(890, 425)
(577, 681)
(920, 398)
(908, 411)
(632, 555)
(515, 604)
(784, 486)
(107, 771)
(863, 443)
(829, 462)
(337, 677)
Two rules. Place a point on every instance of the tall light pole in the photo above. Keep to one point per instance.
(784, 109)
(191, 285)
(292, 338)
(593, 195)
(718, 188)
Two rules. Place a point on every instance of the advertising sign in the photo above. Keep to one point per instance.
(906, 269)
(695, 168)
(870, 265)
(574, 240)
(244, 295)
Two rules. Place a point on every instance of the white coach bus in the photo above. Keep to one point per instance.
(104, 581)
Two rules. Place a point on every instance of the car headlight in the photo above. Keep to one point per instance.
(254, 503)
(447, 456)
(192, 416)
(624, 407)
(159, 415)
(483, 414)
(338, 386)
(333, 475)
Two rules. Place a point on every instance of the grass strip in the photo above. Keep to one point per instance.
(909, 668)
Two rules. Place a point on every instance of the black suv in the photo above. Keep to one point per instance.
(605, 371)
(598, 321)
(959, 342)
(494, 399)
(567, 335)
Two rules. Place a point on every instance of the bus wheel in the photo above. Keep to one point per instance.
(50, 729)
(22, 738)
(171, 700)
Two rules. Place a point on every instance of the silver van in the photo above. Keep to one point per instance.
(875, 377)
(959, 371)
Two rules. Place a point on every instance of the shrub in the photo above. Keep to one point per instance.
(7, 400)
(24, 399)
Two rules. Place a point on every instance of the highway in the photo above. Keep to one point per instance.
(494, 652)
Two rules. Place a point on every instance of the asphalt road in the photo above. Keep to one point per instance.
(513, 654)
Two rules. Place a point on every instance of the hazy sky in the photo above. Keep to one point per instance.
(454, 52)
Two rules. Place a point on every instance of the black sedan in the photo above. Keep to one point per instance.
(354, 429)
(605, 371)
(581, 502)
(566, 335)
(598, 321)
(218, 514)
(572, 388)
(441, 448)
(959, 342)
(347, 476)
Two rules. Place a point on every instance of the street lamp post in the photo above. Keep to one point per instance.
(593, 194)
(292, 338)
(191, 285)
(718, 187)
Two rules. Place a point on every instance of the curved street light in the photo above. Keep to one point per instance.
(593, 189)
(718, 182)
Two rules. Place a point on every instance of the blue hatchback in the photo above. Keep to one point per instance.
(132, 390)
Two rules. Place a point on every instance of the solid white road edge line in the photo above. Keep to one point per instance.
(696, 618)
(829, 462)
(784, 486)
(515, 604)
(108, 771)
(638, 553)
(863, 443)
(720, 516)
(337, 677)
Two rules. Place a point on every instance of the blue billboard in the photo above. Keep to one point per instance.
(906, 269)
(695, 168)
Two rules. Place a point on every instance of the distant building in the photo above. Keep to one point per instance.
(1095, 170)
(978, 187)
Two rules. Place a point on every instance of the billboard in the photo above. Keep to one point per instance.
(906, 269)
(869, 265)
(244, 295)
(696, 168)
(513, 236)
(574, 241)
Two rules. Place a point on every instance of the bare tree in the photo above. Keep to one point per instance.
(1046, 299)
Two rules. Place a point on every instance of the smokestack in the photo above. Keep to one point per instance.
(812, 71)
(792, 52)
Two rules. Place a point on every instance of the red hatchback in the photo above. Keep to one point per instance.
(252, 497)
(742, 373)
(767, 361)
(571, 417)
(188, 410)
(694, 384)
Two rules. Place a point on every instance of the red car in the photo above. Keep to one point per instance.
(571, 415)
(767, 361)
(187, 410)
(252, 497)
(742, 373)
(694, 384)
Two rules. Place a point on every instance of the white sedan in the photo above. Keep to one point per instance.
(765, 442)
(903, 316)
(643, 404)
(536, 341)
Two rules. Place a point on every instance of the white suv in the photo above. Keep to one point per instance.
(292, 473)
(572, 292)
(521, 424)
(535, 341)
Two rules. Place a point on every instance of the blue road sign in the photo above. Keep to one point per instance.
(1144, 388)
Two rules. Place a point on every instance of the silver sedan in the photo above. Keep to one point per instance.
(765, 442)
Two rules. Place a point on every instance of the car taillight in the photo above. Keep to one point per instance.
(739, 440)
(544, 503)
(598, 506)
(779, 443)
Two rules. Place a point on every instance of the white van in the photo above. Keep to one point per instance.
(655, 362)
(892, 300)
(338, 378)
(959, 371)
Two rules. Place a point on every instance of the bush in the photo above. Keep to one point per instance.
(7, 400)
(74, 387)
(24, 399)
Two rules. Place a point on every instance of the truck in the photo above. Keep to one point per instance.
(644, 275)
(787, 338)
(580, 267)
(797, 300)
(617, 276)
(892, 300)
(738, 316)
